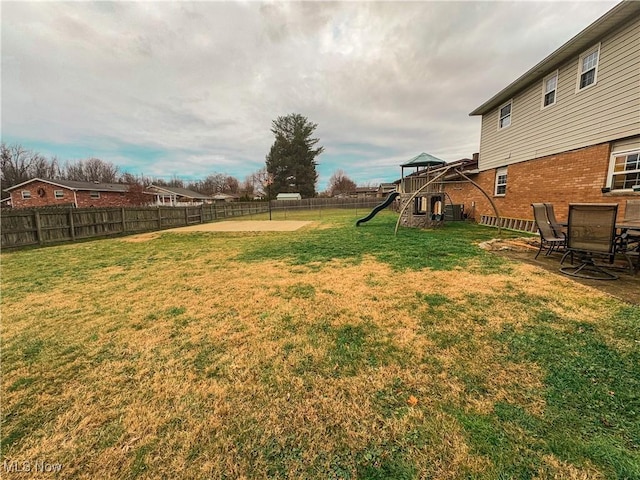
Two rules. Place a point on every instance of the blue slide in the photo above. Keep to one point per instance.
(388, 201)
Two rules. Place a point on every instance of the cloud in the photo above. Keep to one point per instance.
(201, 82)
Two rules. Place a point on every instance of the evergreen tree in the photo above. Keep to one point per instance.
(291, 162)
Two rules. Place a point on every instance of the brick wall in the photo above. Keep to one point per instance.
(570, 177)
(107, 199)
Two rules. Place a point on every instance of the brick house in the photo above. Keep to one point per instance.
(41, 192)
(568, 130)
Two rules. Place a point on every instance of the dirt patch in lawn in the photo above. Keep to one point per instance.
(245, 226)
(626, 287)
(226, 226)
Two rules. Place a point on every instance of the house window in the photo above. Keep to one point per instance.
(625, 170)
(58, 194)
(94, 195)
(501, 181)
(505, 116)
(588, 68)
(26, 194)
(549, 87)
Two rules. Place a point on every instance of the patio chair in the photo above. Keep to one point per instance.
(628, 242)
(591, 234)
(548, 236)
(632, 211)
(551, 216)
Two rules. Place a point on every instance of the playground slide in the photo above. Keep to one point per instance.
(388, 201)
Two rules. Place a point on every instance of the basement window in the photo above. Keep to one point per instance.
(501, 181)
(26, 194)
(505, 116)
(624, 170)
(94, 195)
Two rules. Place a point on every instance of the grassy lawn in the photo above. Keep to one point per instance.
(333, 352)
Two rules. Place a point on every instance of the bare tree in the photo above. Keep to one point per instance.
(257, 181)
(340, 184)
(231, 185)
(175, 182)
(91, 170)
(17, 165)
(247, 188)
(131, 179)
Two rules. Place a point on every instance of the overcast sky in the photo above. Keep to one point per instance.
(189, 89)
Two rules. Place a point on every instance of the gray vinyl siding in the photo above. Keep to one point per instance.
(606, 111)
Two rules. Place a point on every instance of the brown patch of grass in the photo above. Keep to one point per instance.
(259, 370)
(559, 470)
(142, 237)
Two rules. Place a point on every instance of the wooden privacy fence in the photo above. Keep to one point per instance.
(42, 226)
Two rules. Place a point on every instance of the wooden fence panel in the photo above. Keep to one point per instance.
(18, 229)
(172, 217)
(93, 222)
(142, 219)
(54, 226)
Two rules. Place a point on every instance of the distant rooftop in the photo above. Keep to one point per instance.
(181, 192)
(73, 185)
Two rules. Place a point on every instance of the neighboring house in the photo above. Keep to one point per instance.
(225, 197)
(365, 192)
(385, 189)
(176, 197)
(289, 196)
(568, 130)
(42, 192)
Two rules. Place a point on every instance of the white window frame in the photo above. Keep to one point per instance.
(500, 126)
(95, 195)
(594, 49)
(612, 164)
(545, 92)
(58, 194)
(501, 172)
(26, 194)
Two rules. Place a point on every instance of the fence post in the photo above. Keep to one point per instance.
(159, 219)
(202, 213)
(72, 228)
(124, 223)
(38, 227)
(186, 215)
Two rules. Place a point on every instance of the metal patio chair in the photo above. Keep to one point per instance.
(628, 242)
(591, 234)
(548, 237)
(551, 216)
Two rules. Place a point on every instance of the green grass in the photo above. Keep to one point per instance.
(592, 393)
(330, 352)
(454, 245)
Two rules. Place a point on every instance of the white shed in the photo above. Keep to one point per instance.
(289, 196)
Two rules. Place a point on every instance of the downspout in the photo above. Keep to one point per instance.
(75, 199)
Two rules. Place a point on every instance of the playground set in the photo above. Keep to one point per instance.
(420, 196)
